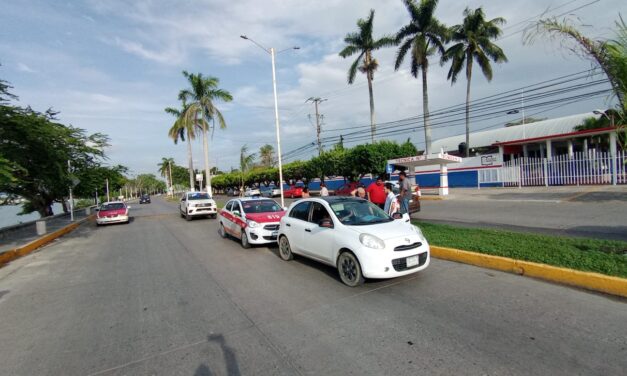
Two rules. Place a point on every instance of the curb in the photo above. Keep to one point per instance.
(27, 248)
(431, 198)
(587, 280)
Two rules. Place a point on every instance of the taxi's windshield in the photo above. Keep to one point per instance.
(261, 206)
(359, 213)
(198, 196)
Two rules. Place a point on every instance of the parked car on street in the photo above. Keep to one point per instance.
(270, 191)
(112, 212)
(252, 192)
(251, 220)
(197, 204)
(144, 199)
(353, 235)
(294, 191)
(346, 189)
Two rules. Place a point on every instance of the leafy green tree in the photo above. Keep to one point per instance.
(201, 109)
(38, 150)
(93, 180)
(473, 42)
(424, 36)
(164, 168)
(364, 44)
(181, 129)
(245, 163)
(266, 155)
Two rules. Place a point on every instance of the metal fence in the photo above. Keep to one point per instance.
(579, 169)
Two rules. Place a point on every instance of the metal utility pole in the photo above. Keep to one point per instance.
(69, 170)
(108, 198)
(316, 101)
(171, 189)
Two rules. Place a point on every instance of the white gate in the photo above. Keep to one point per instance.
(580, 169)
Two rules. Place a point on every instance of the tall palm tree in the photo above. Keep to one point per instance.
(165, 170)
(266, 155)
(473, 42)
(245, 163)
(178, 131)
(364, 44)
(424, 36)
(201, 110)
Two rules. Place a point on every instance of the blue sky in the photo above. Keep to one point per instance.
(113, 66)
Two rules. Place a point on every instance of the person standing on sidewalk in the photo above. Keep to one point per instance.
(323, 190)
(405, 194)
(391, 205)
(376, 193)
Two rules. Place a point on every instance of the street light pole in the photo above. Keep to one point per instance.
(273, 53)
(69, 170)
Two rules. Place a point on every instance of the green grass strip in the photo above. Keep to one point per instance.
(594, 255)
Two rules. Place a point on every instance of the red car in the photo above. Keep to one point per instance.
(294, 191)
(251, 220)
(112, 212)
(346, 189)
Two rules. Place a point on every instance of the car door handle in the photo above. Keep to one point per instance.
(308, 229)
(288, 225)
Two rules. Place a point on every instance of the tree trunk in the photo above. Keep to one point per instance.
(468, 77)
(190, 163)
(369, 74)
(205, 139)
(425, 107)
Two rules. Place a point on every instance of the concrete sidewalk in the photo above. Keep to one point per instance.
(592, 193)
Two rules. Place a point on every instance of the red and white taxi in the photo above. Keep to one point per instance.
(112, 212)
(251, 220)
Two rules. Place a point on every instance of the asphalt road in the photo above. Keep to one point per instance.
(164, 296)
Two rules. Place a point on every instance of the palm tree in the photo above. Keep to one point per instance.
(424, 36)
(245, 163)
(165, 169)
(178, 131)
(363, 43)
(473, 42)
(266, 155)
(201, 110)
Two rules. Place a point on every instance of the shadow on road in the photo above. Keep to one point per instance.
(230, 359)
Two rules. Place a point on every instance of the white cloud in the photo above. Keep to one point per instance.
(25, 68)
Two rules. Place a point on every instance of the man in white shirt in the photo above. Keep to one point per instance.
(391, 203)
(323, 190)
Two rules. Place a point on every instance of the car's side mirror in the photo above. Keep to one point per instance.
(183, 199)
(285, 208)
(237, 213)
(97, 209)
(397, 215)
(326, 223)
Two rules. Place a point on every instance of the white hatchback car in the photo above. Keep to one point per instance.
(353, 235)
(197, 204)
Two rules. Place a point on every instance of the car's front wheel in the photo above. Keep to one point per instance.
(285, 250)
(244, 240)
(222, 231)
(350, 270)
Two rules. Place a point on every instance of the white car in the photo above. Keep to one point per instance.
(251, 220)
(252, 192)
(353, 235)
(112, 212)
(197, 204)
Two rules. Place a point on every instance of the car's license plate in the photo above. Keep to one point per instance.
(411, 261)
(275, 233)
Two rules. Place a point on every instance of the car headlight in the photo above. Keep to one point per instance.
(371, 241)
(418, 231)
(252, 224)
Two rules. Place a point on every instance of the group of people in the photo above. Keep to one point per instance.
(382, 194)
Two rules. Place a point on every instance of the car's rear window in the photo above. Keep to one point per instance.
(114, 206)
(198, 196)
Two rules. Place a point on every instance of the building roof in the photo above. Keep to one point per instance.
(540, 129)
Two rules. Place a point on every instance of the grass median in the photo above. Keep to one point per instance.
(592, 255)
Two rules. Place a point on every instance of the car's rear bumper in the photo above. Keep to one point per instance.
(107, 220)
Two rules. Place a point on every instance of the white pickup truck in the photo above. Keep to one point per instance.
(196, 204)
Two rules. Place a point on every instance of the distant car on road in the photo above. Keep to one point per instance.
(252, 192)
(112, 212)
(270, 191)
(346, 189)
(353, 235)
(197, 204)
(295, 191)
(144, 199)
(251, 220)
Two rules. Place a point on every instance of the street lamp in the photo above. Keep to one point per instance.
(608, 117)
(272, 53)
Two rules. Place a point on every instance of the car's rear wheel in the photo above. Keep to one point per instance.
(222, 231)
(350, 270)
(285, 250)
(244, 239)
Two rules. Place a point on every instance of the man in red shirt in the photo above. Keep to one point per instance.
(376, 192)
